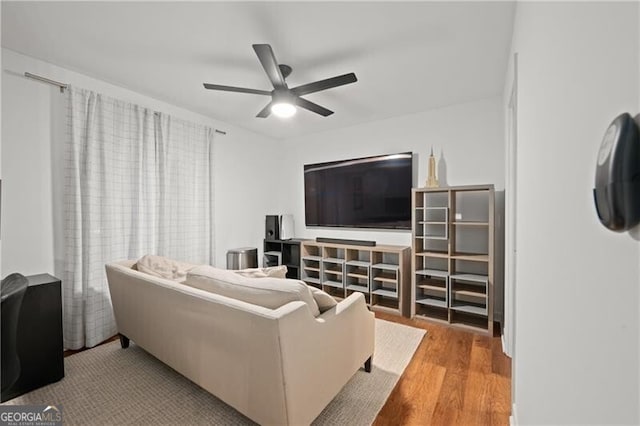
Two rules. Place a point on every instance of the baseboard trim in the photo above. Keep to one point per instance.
(505, 348)
(513, 418)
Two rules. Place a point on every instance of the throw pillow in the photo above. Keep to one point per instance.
(163, 267)
(272, 271)
(268, 292)
(323, 299)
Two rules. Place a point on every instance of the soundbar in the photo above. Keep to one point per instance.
(346, 242)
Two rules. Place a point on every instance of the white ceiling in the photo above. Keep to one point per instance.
(408, 57)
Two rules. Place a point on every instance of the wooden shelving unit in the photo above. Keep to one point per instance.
(310, 265)
(452, 261)
(381, 273)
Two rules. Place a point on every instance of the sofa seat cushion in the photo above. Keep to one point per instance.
(163, 267)
(268, 292)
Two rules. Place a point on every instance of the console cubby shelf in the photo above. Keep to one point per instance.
(283, 252)
(379, 272)
(452, 261)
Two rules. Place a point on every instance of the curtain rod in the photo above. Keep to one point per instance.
(64, 86)
(222, 132)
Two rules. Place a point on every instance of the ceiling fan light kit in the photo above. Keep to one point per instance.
(283, 99)
(283, 103)
(283, 109)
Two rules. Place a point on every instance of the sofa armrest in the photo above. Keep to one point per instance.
(319, 355)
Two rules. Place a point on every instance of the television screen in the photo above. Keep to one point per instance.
(371, 192)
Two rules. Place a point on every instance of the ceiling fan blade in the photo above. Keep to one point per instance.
(328, 83)
(270, 65)
(236, 89)
(264, 113)
(303, 103)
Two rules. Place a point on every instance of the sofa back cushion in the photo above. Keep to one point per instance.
(323, 299)
(163, 267)
(268, 292)
(271, 271)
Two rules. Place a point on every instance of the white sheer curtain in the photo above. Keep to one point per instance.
(185, 189)
(136, 182)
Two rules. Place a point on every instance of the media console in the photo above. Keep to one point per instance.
(381, 273)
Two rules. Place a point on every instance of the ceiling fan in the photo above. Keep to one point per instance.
(283, 99)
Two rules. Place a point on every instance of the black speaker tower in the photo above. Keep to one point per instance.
(272, 227)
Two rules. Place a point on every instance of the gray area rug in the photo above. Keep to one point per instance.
(108, 386)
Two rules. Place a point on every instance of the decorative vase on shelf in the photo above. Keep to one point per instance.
(432, 180)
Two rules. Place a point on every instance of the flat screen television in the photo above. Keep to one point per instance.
(370, 192)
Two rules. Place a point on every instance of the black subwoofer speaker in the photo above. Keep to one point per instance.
(272, 227)
(39, 336)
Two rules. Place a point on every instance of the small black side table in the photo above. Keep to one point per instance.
(39, 337)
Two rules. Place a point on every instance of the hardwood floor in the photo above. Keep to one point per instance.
(455, 378)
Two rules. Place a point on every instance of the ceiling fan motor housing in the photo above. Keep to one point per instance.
(285, 70)
(283, 96)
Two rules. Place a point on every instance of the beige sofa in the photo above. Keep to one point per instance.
(276, 366)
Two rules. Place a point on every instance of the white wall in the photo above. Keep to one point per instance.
(27, 215)
(246, 168)
(470, 137)
(577, 325)
(31, 120)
